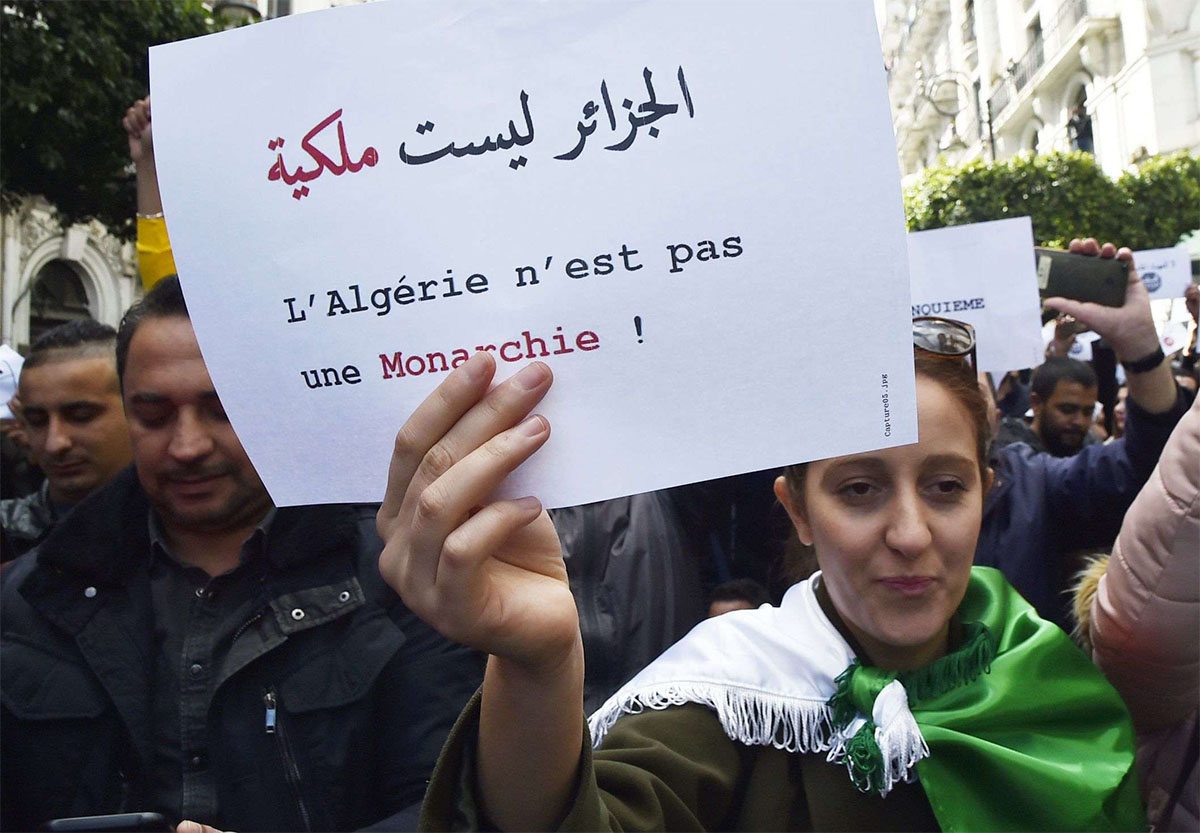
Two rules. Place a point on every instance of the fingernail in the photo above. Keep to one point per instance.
(528, 504)
(476, 366)
(533, 426)
(532, 376)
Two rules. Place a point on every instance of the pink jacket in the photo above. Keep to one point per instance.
(1144, 624)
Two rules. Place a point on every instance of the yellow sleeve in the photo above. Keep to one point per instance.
(155, 260)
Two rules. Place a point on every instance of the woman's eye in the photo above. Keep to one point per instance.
(857, 490)
(949, 487)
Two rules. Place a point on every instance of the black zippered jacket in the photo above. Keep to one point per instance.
(365, 692)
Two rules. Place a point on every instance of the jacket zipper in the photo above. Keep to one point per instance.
(275, 727)
(246, 625)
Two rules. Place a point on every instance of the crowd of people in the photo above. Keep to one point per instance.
(996, 627)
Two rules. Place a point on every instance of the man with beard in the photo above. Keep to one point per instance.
(70, 408)
(180, 645)
(1063, 397)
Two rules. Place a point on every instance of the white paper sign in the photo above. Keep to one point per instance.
(633, 192)
(11, 363)
(984, 274)
(1165, 272)
(1173, 335)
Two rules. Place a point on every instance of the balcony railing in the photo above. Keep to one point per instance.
(1029, 64)
(1020, 72)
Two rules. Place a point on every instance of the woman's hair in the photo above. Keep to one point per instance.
(961, 382)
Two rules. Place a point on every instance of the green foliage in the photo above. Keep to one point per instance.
(68, 71)
(1162, 200)
(1066, 195)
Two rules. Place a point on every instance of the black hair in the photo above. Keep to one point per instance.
(84, 336)
(1058, 368)
(165, 300)
(741, 589)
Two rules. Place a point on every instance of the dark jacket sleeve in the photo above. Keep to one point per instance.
(1087, 494)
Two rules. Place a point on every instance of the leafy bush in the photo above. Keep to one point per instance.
(1065, 194)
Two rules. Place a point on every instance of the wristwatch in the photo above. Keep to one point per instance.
(1146, 363)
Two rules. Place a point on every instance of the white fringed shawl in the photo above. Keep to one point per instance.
(768, 674)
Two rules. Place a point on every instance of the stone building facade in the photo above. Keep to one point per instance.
(993, 78)
(52, 274)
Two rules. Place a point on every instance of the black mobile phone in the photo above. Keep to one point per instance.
(1081, 277)
(113, 822)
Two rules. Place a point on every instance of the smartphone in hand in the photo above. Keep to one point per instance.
(114, 822)
(1081, 277)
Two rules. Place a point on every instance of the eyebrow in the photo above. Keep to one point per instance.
(156, 398)
(950, 460)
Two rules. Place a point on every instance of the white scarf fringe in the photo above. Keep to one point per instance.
(752, 717)
(768, 675)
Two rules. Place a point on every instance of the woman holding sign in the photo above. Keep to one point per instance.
(917, 692)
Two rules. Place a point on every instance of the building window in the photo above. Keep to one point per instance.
(58, 296)
(1079, 124)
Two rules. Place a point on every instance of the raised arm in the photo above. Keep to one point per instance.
(1090, 491)
(490, 574)
(1129, 329)
(155, 259)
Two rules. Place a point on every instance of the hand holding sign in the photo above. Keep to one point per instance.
(486, 574)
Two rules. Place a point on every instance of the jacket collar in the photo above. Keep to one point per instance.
(106, 538)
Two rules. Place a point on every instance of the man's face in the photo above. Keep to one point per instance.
(1062, 421)
(191, 464)
(76, 428)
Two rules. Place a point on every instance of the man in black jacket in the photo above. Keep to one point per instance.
(180, 645)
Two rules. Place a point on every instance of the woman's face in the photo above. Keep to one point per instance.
(895, 532)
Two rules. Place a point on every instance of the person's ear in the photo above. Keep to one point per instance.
(989, 478)
(1035, 400)
(795, 510)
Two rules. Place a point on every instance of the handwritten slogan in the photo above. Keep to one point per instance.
(671, 210)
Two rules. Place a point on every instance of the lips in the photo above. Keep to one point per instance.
(908, 585)
(194, 483)
(68, 468)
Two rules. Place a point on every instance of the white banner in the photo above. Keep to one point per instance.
(637, 193)
(984, 274)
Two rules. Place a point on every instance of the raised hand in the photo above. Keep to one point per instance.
(486, 573)
(137, 125)
(1128, 328)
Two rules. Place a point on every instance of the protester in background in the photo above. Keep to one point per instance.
(1139, 616)
(1012, 394)
(18, 475)
(1063, 397)
(155, 260)
(738, 594)
(1119, 413)
(896, 620)
(1042, 509)
(180, 645)
(70, 408)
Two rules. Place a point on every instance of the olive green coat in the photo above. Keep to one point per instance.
(676, 769)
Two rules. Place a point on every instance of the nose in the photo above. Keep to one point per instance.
(58, 438)
(190, 441)
(908, 531)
